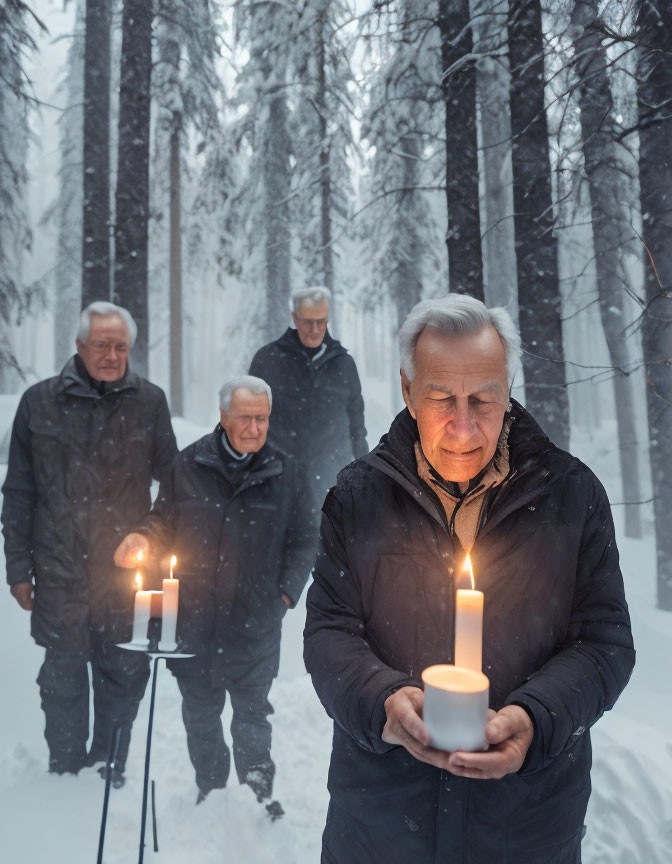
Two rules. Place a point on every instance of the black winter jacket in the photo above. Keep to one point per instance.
(239, 546)
(557, 641)
(80, 470)
(318, 410)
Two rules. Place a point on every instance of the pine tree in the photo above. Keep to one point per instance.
(96, 153)
(322, 139)
(68, 209)
(132, 192)
(613, 234)
(185, 89)
(539, 298)
(267, 30)
(15, 42)
(655, 172)
(463, 237)
(401, 126)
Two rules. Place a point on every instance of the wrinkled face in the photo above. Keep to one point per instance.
(458, 396)
(105, 352)
(246, 421)
(311, 323)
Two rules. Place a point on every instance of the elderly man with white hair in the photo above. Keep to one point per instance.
(318, 413)
(85, 447)
(464, 469)
(231, 512)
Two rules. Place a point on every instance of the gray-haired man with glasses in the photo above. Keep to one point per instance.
(85, 447)
(318, 410)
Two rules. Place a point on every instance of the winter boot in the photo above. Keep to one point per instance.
(64, 766)
(260, 779)
(117, 775)
(274, 810)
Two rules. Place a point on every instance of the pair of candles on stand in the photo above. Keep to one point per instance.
(157, 604)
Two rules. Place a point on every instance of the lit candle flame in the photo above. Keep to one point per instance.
(173, 562)
(139, 555)
(138, 581)
(470, 570)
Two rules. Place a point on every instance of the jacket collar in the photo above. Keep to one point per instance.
(290, 342)
(526, 440)
(73, 383)
(534, 462)
(264, 465)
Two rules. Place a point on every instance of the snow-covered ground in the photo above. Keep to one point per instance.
(45, 818)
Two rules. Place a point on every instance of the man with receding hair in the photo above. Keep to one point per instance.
(464, 469)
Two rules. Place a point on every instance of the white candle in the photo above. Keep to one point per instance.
(171, 594)
(469, 626)
(141, 612)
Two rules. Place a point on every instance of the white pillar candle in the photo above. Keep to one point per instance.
(469, 629)
(141, 612)
(469, 626)
(171, 594)
(455, 709)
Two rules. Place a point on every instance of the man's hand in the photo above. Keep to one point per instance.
(23, 594)
(405, 727)
(128, 551)
(509, 733)
(286, 599)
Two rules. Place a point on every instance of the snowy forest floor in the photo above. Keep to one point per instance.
(45, 818)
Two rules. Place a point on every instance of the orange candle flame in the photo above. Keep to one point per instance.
(173, 562)
(138, 581)
(139, 555)
(470, 570)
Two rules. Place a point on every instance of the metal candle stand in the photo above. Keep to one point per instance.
(153, 649)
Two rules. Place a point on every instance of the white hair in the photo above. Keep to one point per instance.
(105, 309)
(313, 296)
(248, 382)
(458, 313)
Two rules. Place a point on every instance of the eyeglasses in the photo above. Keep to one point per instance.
(104, 347)
(313, 323)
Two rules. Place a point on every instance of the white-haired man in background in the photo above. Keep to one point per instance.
(85, 447)
(231, 512)
(318, 411)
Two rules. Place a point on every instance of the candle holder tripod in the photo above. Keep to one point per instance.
(153, 651)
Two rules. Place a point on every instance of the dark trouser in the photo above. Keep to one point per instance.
(204, 683)
(119, 678)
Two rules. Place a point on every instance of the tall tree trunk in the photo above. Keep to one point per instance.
(96, 189)
(655, 113)
(276, 191)
(536, 247)
(325, 161)
(14, 225)
(493, 84)
(68, 276)
(612, 236)
(463, 237)
(406, 280)
(167, 88)
(176, 365)
(132, 198)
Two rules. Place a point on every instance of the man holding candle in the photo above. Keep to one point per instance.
(464, 469)
(245, 542)
(85, 447)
